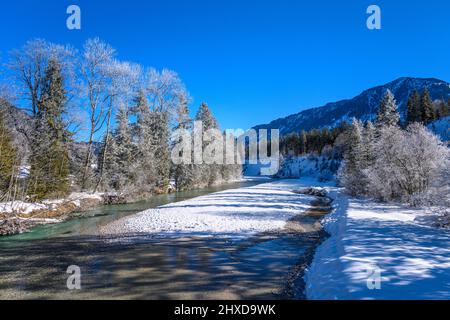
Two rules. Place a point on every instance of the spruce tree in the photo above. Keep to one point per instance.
(351, 174)
(49, 158)
(205, 115)
(353, 157)
(159, 130)
(152, 130)
(413, 112)
(427, 109)
(388, 113)
(145, 158)
(119, 164)
(207, 174)
(184, 173)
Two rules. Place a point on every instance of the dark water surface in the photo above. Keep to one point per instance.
(267, 266)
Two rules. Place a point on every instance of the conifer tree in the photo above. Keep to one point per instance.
(159, 129)
(427, 109)
(351, 173)
(367, 156)
(146, 180)
(153, 145)
(205, 115)
(49, 158)
(413, 112)
(207, 174)
(119, 164)
(184, 173)
(388, 113)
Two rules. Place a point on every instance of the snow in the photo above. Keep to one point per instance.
(24, 172)
(441, 127)
(85, 195)
(235, 213)
(412, 256)
(20, 207)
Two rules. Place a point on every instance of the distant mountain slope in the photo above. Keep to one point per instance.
(363, 107)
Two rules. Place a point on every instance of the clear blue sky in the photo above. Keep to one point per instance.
(254, 60)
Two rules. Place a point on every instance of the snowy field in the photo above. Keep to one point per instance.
(412, 256)
(20, 207)
(236, 213)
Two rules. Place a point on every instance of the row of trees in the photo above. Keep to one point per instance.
(314, 141)
(95, 123)
(422, 109)
(390, 163)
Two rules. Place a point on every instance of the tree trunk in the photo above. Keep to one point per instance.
(105, 149)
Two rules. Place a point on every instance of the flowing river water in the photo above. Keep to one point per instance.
(267, 266)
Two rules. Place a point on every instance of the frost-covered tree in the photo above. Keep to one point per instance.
(367, 156)
(205, 115)
(145, 157)
(49, 158)
(159, 135)
(30, 63)
(388, 113)
(155, 106)
(29, 67)
(231, 172)
(119, 163)
(183, 173)
(165, 92)
(351, 174)
(122, 77)
(96, 59)
(131, 154)
(407, 163)
(207, 174)
(394, 164)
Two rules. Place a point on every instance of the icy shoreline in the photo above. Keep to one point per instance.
(237, 213)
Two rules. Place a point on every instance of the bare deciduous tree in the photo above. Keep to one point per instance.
(97, 57)
(122, 80)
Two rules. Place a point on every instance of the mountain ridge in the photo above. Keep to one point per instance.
(364, 106)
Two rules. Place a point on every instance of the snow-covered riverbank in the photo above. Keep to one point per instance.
(368, 239)
(236, 213)
(18, 216)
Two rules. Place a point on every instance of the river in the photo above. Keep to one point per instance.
(269, 266)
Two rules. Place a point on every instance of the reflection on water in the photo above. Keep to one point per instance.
(187, 268)
(267, 266)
